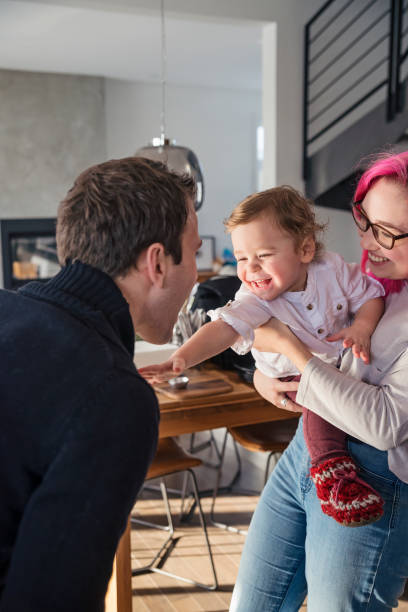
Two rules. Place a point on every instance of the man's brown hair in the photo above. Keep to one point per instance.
(116, 209)
(288, 208)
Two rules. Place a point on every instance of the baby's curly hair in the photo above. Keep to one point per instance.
(285, 206)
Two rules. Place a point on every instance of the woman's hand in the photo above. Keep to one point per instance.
(275, 390)
(276, 337)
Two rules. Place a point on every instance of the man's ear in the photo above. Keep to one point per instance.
(155, 264)
(308, 249)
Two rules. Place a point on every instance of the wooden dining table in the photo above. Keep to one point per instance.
(229, 403)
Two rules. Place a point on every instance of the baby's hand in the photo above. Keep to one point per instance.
(356, 337)
(160, 372)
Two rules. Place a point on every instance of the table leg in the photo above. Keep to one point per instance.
(119, 594)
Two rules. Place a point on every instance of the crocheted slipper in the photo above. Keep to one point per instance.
(343, 495)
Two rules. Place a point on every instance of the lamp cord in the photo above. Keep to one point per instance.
(163, 76)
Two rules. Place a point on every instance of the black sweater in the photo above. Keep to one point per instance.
(67, 370)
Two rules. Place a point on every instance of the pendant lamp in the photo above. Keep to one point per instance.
(177, 158)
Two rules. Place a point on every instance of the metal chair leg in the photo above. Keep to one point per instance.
(183, 493)
(239, 464)
(233, 481)
(187, 502)
(217, 485)
(169, 527)
(268, 462)
(271, 454)
(166, 548)
(212, 442)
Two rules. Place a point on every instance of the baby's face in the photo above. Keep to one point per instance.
(268, 262)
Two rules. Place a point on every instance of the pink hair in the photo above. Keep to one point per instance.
(394, 167)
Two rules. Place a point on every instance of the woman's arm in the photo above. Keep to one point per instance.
(276, 337)
(374, 413)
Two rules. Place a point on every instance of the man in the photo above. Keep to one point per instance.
(78, 425)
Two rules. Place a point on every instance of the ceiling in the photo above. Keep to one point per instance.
(127, 45)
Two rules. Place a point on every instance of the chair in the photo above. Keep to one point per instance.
(170, 458)
(272, 437)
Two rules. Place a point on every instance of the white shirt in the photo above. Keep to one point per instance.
(335, 290)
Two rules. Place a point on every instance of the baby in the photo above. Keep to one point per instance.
(328, 303)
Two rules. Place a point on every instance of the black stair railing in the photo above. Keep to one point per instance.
(354, 51)
(394, 72)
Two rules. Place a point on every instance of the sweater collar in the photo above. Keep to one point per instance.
(85, 291)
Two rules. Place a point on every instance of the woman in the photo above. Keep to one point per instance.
(292, 550)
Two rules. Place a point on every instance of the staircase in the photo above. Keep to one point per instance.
(355, 102)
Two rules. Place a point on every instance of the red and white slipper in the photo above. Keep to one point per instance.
(343, 495)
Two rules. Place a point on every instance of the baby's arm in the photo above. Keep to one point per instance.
(211, 339)
(358, 335)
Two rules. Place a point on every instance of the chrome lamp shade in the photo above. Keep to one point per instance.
(179, 159)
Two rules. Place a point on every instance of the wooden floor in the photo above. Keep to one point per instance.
(189, 558)
(160, 593)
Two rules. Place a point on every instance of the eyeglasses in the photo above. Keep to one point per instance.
(381, 235)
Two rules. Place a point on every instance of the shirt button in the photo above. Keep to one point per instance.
(309, 306)
(339, 306)
(320, 331)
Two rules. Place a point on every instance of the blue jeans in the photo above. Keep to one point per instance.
(293, 549)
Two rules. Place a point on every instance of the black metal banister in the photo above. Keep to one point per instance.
(319, 12)
(359, 59)
(349, 46)
(344, 29)
(346, 91)
(394, 63)
(333, 18)
(348, 111)
(306, 44)
(342, 85)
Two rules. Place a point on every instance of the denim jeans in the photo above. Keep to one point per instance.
(293, 549)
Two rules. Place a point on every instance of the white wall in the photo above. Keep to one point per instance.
(52, 127)
(269, 107)
(340, 234)
(219, 125)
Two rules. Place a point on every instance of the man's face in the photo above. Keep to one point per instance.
(165, 303)
(182, 276)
